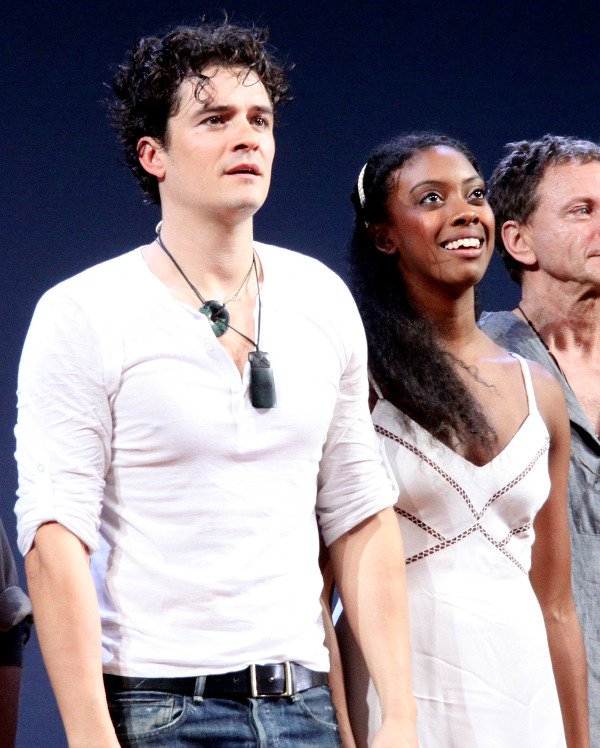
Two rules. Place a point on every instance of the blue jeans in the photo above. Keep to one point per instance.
(149, 718)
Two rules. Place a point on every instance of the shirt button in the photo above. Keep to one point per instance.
(41, 468)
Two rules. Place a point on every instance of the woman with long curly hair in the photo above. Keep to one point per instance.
(478, 442)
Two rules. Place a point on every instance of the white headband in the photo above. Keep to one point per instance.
(360, 187)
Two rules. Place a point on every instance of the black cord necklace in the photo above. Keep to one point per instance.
(262, 384)
(216, 311)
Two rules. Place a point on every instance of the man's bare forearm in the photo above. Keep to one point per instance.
(336, 674)
(369, 570)
(68, 626)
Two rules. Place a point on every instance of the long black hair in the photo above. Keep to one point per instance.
(406, 360)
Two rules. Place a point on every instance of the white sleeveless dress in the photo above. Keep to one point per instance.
(481, 665)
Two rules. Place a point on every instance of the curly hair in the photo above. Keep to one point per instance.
(405, 358)
(512, 188)
(146, 84)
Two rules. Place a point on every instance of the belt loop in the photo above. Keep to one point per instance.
(199, 686)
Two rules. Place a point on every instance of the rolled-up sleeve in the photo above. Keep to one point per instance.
(64, 423)
(353, 483)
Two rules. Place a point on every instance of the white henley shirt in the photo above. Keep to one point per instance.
(136, 432)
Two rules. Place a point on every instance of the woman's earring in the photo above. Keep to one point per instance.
(386, 246)
(381, 240)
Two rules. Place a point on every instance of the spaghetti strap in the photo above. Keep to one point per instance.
(531, 401)
(376, 388)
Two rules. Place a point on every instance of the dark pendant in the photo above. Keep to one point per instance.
(262, 384)
(217, 315)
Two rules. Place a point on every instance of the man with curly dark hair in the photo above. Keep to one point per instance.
(147, 85)
(546, 198)
(188, 418)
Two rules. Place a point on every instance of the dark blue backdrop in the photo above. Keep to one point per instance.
(483, 72)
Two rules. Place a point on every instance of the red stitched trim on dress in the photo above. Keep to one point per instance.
(442, 546)
(516, 531)
(502, 549)
(542, 450)
(411, 448)
(448, 542)
(419, 522)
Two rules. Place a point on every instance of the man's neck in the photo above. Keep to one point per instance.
(568, 321)
(214, 254)
(566, 318)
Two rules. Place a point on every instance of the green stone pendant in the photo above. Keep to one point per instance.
(217, 315)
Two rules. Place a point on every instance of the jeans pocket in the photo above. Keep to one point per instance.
(316, 703)
(144, 715)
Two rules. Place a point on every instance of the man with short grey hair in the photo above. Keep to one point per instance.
(546, 198)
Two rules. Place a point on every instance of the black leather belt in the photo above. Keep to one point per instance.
(255, 681)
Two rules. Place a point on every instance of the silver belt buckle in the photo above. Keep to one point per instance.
(289, 684)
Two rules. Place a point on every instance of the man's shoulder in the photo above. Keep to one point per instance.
(105, 281)
(501, 322)
(291, 258)
(291, 265)
(302, 285)
(108, 271)
(508, 331)
(512, 333)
